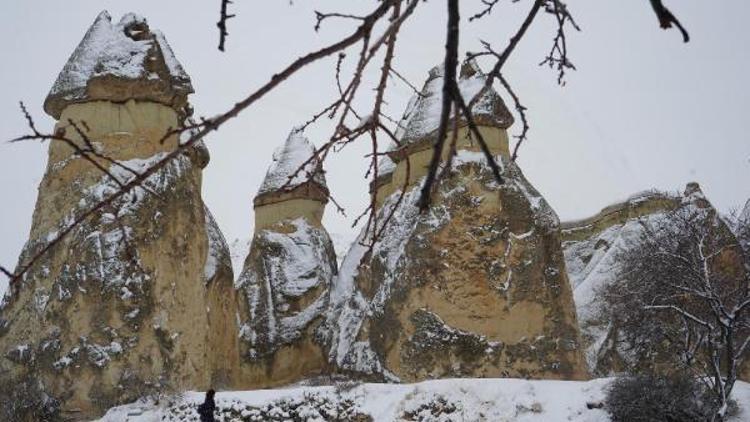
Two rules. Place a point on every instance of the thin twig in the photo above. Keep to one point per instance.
(666, 19)
(222, 24)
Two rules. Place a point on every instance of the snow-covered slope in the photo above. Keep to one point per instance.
(593, 250)
(592, 264)
(439, 400)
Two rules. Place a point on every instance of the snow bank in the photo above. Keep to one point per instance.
(439, 400)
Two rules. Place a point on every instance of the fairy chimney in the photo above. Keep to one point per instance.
(123, 305)
(418, 127)
(475, 286)
(288, 272)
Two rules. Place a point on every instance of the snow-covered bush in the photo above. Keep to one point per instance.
(307, 408)
(649, 398)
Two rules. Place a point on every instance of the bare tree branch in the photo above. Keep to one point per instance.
(666, 19)
(222, 24)
(449, 81)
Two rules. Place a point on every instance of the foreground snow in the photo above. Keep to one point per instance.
(438, 400)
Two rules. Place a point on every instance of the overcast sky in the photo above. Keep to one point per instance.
(642, 111)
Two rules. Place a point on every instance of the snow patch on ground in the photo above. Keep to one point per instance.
(429, 401)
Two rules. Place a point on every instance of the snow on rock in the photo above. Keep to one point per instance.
(283, 173)
(450, 400)
(592, 264)
(422, 116)
(342, 241)
(238, 251)
(349, 306)
(385, 165)
(285, 281)
(741, 228)
(745, 214)
(381, 313)
(217, 254)
(104, 243)
(103, 273)
(593, 249)
(126, 51)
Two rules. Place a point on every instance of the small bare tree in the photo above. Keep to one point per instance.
(682, 296)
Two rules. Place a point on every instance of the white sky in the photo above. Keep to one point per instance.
(643, 110)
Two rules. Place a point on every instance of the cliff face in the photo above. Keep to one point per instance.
(123, 305)
(474, 287)
(287, 275)
(594, 248)
(591, 248)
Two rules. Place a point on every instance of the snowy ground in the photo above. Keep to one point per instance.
(438, 400)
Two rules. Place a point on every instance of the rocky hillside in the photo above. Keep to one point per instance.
(594, 248)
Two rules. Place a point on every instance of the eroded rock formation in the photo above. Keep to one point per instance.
(594, 249)
(130, 302)
(288, 272)
(474, 287)
(140, 298)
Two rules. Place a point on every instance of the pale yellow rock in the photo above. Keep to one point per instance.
(125, 304)
(407, 172)
(474, 287)
(268, 215)
(286, 278)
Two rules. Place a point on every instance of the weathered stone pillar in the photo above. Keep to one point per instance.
(288, 271)
(473, 287)
(132, 300)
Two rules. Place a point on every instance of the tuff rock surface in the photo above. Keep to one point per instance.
(474, 287)
(133, 300)
(594, 248)
(287, 275)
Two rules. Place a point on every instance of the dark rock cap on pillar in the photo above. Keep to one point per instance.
(120, 62)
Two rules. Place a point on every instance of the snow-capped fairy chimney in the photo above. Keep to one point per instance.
(137, 298)
(294, 185)
(473, 286)
(288, 272)
(418, 128)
